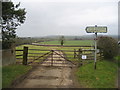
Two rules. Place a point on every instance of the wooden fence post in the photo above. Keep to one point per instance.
(25, 55)
(80, 56)
(52, 58)
(74, 53)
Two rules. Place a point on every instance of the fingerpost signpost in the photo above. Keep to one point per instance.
(96, 29)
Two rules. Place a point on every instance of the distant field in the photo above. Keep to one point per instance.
(70, 42)
(69, 54)
(42, 48)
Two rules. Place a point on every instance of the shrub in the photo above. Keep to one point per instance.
(108, 45)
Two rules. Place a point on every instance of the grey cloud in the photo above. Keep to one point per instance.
(66, 18)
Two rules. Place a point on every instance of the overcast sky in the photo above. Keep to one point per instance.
(67, 17)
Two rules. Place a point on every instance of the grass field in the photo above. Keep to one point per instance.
(70, 42)
(70, 55)
(11, 72)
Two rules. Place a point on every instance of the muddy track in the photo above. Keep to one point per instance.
(59, 75)
(48, 77)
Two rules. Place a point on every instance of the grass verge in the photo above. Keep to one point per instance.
(103, 77)
(11, 72)
(118, 60)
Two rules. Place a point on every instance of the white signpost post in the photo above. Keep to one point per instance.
(96, 30)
